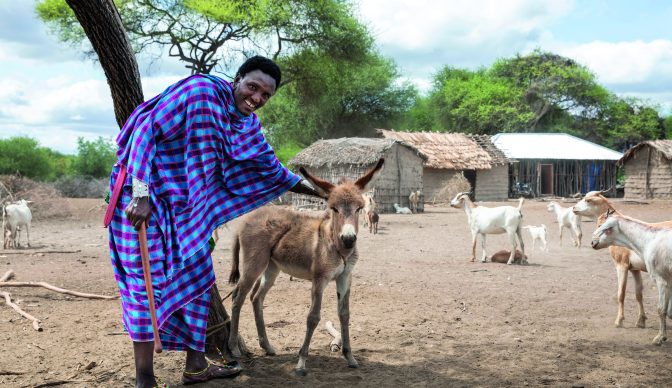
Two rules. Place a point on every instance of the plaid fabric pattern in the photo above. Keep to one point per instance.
(205, 164)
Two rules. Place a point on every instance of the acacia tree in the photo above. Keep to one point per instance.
(209, 35)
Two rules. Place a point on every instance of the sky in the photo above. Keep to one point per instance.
(50, 92)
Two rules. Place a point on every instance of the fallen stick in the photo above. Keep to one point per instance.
(10, 373)
(8, 301)
(56, 289)
(337, 342)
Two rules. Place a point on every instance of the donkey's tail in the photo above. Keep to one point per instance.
(235, 250)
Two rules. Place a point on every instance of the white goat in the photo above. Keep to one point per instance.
(15, 217)
(414, 200)
(654, 245)
(401, 210)
(567, 219)
(537, 233)
(496, 220)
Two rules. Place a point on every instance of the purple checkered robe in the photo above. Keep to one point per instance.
(205, 164)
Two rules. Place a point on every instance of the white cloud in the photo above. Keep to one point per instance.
(423, 36)
(627, 63)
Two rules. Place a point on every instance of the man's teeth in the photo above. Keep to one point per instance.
(250, 104)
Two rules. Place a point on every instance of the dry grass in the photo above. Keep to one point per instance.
(457, 184)
(47, 201)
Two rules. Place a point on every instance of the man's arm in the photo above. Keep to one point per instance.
(304, 187)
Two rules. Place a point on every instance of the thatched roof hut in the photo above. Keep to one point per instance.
(333, 159)
(648, 170)
(448, 151)
(448, 154)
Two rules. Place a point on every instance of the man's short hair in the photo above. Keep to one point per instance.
(264, 64)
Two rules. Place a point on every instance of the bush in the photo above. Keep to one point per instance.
(95, 158)
(78, 186)
(24, 156)
(47, 202)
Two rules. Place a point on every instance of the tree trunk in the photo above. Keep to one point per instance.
(102, 24)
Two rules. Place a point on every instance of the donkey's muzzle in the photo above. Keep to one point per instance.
(349, 240)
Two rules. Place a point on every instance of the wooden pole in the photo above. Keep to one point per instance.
(144, 254)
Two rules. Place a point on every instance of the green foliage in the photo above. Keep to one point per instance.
(215, 34)
(95, 158)
(667, 124)
(24, 156)
(539, 92)
(335, 98)
(285, 152)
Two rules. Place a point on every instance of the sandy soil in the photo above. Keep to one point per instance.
(422, 314)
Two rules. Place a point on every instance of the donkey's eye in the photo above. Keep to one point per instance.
(358, 209)
(334, 209)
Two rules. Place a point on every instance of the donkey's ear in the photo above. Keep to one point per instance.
(364, 183)
(322, 187)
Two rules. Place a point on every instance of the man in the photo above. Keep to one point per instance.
(195, 158)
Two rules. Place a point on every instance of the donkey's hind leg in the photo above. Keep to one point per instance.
(258, 294)
(253, 266)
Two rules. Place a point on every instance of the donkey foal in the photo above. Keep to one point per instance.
(319, 249)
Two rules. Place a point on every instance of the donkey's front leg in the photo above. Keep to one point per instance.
(319, 284)
(343, 292)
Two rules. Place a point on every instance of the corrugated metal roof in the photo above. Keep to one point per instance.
(551, 146)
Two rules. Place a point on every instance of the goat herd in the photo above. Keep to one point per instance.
(634, 245)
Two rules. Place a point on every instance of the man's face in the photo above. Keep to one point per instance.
(252, 91)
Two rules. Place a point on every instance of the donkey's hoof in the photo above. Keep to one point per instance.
(300, 372)
(235, 352)
(658, 340)
(354, 365)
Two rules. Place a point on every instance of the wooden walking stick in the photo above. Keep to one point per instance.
(144, 254)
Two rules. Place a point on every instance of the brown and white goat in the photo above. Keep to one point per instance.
(503, 257)
(319, 249)
(653, 244)
(369, 205)
(373, 218)
(593, 205)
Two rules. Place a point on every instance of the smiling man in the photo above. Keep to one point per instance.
(189, 160)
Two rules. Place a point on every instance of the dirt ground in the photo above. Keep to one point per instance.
(421, 313)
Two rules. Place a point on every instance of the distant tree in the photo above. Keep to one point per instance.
(335, 98)
(667, 123)
(95, 158)
(24, 156)
(476, 102)
(553, 85)
(538, 92)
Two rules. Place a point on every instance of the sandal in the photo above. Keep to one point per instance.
(212, 371)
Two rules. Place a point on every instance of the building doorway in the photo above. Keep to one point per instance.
(547, 179)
